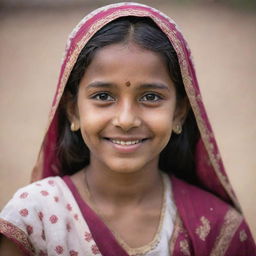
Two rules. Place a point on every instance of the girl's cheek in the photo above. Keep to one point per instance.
(92, 122)
(162, 118)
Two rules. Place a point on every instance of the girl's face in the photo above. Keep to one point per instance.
(126, 108)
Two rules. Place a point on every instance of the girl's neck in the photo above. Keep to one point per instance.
(122, 189)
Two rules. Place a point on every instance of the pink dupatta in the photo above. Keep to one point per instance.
(201, 206)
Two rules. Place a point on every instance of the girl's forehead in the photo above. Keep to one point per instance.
(123, 50)
(126, 64)
(128, 58)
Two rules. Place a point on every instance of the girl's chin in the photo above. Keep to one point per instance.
(129, 167)
(123, 169)
(124, 165)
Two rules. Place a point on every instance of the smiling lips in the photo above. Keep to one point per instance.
(126, 145)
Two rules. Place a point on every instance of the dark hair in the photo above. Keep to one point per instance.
(178, 155)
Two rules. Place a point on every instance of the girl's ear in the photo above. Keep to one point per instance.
(180, 115)
(72, 112)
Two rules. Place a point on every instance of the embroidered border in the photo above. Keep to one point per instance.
(177, 229)
(18, 236)
(183, 243)
(232, 221)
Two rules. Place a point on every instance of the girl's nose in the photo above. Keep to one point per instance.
(126, 117)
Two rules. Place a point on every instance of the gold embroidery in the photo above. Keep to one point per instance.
(204, 229)
(242, 235)
(184, 247)
(177, 229)
(232, 221)
(16, 234)
(195, 99)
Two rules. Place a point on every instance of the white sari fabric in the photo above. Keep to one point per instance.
(44, 218)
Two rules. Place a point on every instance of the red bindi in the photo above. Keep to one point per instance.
(127, 83)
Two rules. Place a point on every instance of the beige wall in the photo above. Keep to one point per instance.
(223, 46)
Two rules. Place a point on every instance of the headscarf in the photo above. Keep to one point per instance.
(209, 166)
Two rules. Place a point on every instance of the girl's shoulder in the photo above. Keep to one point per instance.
(30, 201)
(36, 192)
(36, 211)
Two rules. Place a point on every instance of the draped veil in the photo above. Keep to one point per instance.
(209, 165)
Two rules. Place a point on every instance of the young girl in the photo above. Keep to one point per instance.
(129, 164)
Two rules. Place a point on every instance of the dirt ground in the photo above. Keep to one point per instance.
(223, 44)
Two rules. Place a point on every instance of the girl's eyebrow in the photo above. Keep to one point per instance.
(145, 86)
(99, 84)
(154, 86)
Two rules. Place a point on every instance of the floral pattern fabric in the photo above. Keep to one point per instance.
(43, 219)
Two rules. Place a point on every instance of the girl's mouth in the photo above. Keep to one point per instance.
(125, 141)
(126, 145)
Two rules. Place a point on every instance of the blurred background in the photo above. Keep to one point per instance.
(221, 35)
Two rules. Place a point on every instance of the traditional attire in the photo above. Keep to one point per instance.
(48, 217)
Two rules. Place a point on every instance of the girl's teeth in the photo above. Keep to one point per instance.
(121, 142)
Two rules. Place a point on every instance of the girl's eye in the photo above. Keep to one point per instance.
(151, 97)
(103, 96)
